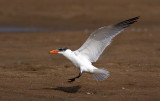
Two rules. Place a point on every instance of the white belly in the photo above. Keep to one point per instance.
(79, 61)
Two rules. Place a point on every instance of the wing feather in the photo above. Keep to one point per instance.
(101, 38)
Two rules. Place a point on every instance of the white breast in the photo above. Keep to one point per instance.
(79, 60)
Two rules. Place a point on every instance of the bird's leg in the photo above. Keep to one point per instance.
(73, 79)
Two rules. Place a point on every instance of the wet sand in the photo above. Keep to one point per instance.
(29, 73)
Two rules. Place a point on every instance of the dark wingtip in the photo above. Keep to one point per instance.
(134, 19)
(138, 17)
(126, 23)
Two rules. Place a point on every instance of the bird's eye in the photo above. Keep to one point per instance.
(60, 49)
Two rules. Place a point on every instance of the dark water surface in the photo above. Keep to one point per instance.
(22, 29)
(37, 29)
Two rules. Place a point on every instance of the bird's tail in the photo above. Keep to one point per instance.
(100, 74)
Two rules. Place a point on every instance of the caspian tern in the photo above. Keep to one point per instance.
(91, 50)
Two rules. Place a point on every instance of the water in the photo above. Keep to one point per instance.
(22, 29)
(38, 29)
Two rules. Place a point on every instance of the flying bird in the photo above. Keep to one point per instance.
(91, 50)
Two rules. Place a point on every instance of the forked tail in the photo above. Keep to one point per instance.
(100, 74)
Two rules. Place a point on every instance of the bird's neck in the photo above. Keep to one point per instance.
(67, 53)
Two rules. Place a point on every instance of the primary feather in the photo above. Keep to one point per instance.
(101, 38)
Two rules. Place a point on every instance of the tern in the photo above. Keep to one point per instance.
(91, 50)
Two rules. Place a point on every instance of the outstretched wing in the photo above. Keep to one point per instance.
(101, 38)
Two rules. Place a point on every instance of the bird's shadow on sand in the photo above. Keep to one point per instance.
(72, 89)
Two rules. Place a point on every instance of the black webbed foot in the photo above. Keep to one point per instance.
(73, 79)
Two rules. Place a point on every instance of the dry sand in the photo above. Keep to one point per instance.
(29, 73)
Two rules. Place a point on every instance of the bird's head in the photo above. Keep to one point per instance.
(59, 50)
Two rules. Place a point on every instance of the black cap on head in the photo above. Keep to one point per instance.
(62, 49)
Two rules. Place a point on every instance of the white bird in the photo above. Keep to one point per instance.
(91, 50)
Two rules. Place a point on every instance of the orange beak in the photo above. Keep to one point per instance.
(53, 51)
